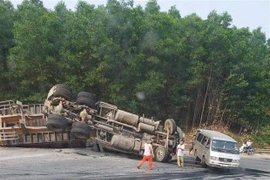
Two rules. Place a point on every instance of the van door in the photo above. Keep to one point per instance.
(202, 149)
(198, 147)
(205, 149)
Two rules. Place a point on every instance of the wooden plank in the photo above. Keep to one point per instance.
(11, 118)
(46, 137)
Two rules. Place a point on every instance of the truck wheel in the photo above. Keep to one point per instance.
(81, 125)
(171, 125)
(87, 95)
(86, 101)
(56, 123)
(64, 93)
(63, 86)
(161, 154)
(60, 90)
(80, 130)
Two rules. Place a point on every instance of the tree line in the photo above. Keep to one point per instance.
(159, 64)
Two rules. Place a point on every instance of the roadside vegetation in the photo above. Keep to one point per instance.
(200, 72)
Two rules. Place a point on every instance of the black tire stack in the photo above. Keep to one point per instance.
(56, 123)
(62, 90)
(80, 130)
(87, 99)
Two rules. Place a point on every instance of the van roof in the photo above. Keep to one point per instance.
(216, 135)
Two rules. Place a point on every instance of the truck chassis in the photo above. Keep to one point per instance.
(61, 121)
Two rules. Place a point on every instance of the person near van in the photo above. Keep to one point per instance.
(192, 144)
(180, 153)
(248, 145)
(148, 155)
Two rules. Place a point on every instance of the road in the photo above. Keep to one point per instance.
(260, 162)
(32, 164)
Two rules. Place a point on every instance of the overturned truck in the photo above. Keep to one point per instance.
(113, 128)
(61, 120)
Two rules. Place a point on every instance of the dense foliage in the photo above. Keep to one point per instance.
(199, 72)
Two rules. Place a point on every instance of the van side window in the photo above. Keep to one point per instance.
(205, 139)
(208, 143)
(199, 138)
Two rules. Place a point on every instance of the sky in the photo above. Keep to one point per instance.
(245, 13)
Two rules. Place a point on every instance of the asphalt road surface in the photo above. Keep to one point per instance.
(34, 163)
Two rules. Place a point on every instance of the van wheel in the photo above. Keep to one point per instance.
(197, 159)
(204, 165)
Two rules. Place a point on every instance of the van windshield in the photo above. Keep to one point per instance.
(225, 146)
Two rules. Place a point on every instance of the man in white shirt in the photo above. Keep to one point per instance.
(148, 155)
(180, 153)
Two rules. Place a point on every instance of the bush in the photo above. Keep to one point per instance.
(262, 139)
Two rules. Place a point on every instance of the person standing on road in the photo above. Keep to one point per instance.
(148, 155)
(180, 153)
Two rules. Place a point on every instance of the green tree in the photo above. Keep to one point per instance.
(35, 54)
(6, 42)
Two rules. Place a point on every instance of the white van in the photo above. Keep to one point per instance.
(215, 149)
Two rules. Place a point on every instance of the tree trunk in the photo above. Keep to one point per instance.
(228, 123)
(187, 118)
(205, 96)
(213, 108)
(217, 110)
(222, 115)
(196, 108)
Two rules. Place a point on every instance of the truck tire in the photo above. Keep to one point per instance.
(81, 125)
(87, 95)
(86, 101)
(161, 154)
(63, 86)
(56, 123)
(80, 133)
(60, 90)
(64, 93)
(171, 125)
